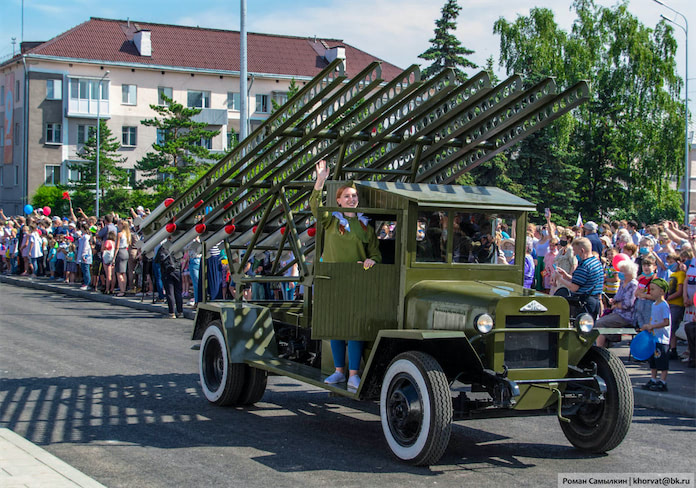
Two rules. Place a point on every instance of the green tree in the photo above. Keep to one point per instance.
(446, 51)
(292, 90)
(180, 154)
(617, 152)
(112, 175)
(52, 197)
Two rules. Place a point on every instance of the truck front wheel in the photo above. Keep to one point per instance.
(222, 382)
(416, 408)
(601, 427)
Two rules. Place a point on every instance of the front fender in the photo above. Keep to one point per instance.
(451, 349)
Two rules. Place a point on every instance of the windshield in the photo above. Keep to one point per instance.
(476, 237)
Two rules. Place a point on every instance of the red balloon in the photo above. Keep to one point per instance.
(617, 259)
(47, 210)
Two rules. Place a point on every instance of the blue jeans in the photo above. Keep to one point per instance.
(157, 278)
(338, 350)
(86, 278)
(195, 272)
(34, 265)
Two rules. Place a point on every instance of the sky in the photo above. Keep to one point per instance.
(393, 30)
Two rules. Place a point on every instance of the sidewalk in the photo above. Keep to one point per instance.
(23, 464)
(681, 398)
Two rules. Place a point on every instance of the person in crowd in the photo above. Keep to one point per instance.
(541, 247)
(660, 325)
(84, 255)
(108, 227)
(35, 249)
(171, 278)
(24, 250)
(587, 280)
(664, 249)
(621, 312)
(133, 257)
(108, 261)
(611, 276)
(590, 231)
(631, 250)
(508, 249)
(194, 263)
(529, 268)
(213, 268)
(644, 299)
(347, 238)
(565, 259)
(646, 248)
(675, 299)
(632, 227)
(70, 264)
(123, 239)
(549, 261)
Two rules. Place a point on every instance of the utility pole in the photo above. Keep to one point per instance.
(244, 101)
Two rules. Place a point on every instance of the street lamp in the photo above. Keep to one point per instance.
(687, 174)
(99, 93)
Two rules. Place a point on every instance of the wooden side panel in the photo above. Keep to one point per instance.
(351, 303)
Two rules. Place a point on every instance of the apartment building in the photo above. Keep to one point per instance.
(52, 94)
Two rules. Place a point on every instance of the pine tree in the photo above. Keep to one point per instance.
(179, 155)
(112, 175)
(292, 90)
(446, 51)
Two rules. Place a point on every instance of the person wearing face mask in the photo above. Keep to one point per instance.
(508, 249)
(645, 248)
(664, 250)
(644, 300)
(621, 312)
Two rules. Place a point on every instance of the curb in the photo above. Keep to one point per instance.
(38, 467)
(132, 301)
(665, 402)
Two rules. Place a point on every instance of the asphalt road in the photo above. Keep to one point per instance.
(114, 392)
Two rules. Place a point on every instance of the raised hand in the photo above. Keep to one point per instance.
(322, 174)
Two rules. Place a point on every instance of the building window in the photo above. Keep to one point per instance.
(131, 177)
(2, 135)
(231, 139)
(53, 134)
(129, 94)
(233, 101)
(16, 134)
(198, 99)
(129, 136)
(54, 89)
(166, 91)
(16, 175)
(2, 95)
(84, 132)
(52, 175)
(161, 137)
(204, 142)
(280, 97)
(17, 90)
(262, 105)
(85, 96)
(2, 175)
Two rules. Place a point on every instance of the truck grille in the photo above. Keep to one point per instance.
(531, 349)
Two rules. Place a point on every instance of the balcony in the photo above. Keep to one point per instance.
(211, 116)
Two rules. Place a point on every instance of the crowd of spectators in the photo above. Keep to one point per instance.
(102, 255)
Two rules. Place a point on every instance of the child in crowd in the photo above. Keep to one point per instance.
(549, 260)
(660, 325)
(611, 276)
(52, 250)
(61, 254)
(70, 264)
(643, 297)
(675, 299)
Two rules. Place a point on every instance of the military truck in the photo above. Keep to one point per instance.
(449, 332)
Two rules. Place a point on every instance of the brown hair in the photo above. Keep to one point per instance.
(341, 189)
(630, 247)
(649, 259)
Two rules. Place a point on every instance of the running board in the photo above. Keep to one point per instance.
(304, 373)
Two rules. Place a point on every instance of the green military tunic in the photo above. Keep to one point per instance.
(342, 245)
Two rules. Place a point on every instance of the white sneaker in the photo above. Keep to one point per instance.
(354, 382)
(84, 287)
(337, 377)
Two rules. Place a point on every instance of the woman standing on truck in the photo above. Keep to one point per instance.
(347, 239)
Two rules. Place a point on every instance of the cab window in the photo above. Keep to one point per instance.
(431, 237)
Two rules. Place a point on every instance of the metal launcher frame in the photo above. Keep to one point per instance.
(408, 130)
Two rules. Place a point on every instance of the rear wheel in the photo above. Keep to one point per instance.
(416, 408)
(601, 427)
(222, 382)
(254, 386)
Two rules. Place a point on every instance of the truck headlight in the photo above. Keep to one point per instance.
(483, 323)
(584, 323)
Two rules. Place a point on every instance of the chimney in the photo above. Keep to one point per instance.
(142, 42)
(336, 52)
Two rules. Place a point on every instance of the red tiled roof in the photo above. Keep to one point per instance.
(198, 48)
